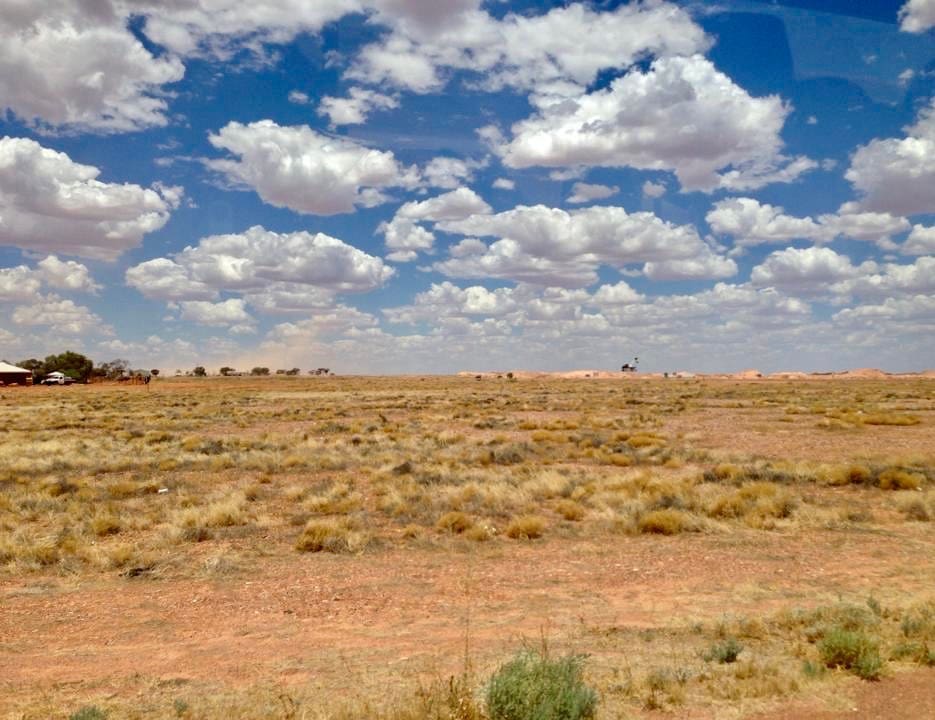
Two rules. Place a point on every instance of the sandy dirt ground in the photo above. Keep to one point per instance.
(330, 620)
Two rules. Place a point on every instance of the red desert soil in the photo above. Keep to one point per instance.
(757, 433)
(907, 696)
(331, 620)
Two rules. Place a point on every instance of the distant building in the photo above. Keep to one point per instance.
(13, 375)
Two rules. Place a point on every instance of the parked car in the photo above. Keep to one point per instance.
(57, 378)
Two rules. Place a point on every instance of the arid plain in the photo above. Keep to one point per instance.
(376, 547)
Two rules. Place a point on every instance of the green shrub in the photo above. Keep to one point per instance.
(533, 686)
(725, 652)
(852, 650)
(90, 712)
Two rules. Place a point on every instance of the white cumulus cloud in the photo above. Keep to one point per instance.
(18, 284)
(66, 275)
(232, 312)
(921, 241)
(356, 107)
(917, 16)
(586, 192)
(556, 53)
(61, 315)
(751, 222)
(448, 300)
(806, 270)
(78, 66)
(301, 169)
(50, 203)
(550, 246)
(405, 238)
(455, 205)
(165, 279)
(892, 280)
(261, 264)
(898, 175)
(618, 294)
(450, 172)
(654, 190)
(220, 28)
(682, 115)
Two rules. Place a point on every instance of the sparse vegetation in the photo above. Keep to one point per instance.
(203, 480)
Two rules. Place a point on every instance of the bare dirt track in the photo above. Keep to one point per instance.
(189, 617)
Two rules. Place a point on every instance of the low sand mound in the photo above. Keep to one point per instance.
(575, 374)
(865, 373)
(749, 374)
(543, 375)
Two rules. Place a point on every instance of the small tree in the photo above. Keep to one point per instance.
(225, 371)
(260, 371)
(113, 369)
(280, 372)
(154, 372)
(199, 371)
(293, 371)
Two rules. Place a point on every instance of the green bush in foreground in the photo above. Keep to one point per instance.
(852, 650)
(88, 713)
(533, 686)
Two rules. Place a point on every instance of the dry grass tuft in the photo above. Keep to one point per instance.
(454, 522)
(570, 510)
(526, 527)
(333, 536)
(666, 522)
(895, 479)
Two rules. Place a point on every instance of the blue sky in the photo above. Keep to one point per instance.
(388, 186)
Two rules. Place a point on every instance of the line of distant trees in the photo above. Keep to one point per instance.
(81, 368)
(259, 371)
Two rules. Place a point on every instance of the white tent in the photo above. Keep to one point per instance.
(10, 374)
(7, 368)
